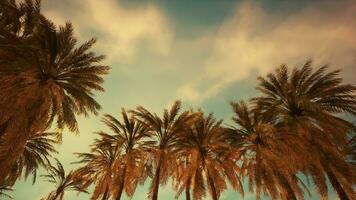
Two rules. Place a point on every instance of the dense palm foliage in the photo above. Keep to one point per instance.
(56, 175)
(166, 132)
(294, 131)
(39, 148)
(307, 103)
(204, 160)
(270, 156)
(44, 76)
(98, 170)
(120, 158)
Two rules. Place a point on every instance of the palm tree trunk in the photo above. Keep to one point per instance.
(156, 183)
(187, 190)
(105, 196)
(122, 183)
(157, 177)
(336, 184)
(213, 189)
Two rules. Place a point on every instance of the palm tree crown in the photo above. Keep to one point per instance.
(121, 156)
(262, 149)
(44, 76)
(97, 169)
(306, 103)
(166, 132)
(206, 161)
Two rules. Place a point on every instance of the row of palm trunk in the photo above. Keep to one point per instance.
(293, 127)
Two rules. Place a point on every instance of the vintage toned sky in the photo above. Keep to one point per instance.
(205, 53)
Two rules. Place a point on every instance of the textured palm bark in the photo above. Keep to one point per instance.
(122, 183)
(213, 189)
(157, 177)
(187, 190)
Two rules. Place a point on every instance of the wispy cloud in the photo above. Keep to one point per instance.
(122, 31)
(255, 40)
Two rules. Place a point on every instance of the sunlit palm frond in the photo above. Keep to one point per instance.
(45, 77)
(205, 162)
(268, 159)
(165, 133)
(309, 103)
(117, 160)
(39, 148)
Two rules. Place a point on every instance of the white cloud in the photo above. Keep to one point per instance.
(254, 40)
(122, 32)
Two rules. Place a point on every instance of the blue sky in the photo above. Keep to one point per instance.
(205, 53)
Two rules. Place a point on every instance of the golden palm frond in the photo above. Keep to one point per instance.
(45, 76)
(205, 162)
(39, 148)
(165, 133)
(117, 161)
(269, 161)
(308, 103)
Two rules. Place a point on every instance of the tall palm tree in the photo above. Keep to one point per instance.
(56, 175)
(14, 52)
(166, 132)
(125, 153)
(44, 76)
(268, 158)
(98, 169)
(208, 162)
(39, 148)
(309, 102)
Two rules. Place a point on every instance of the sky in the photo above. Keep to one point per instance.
(205, 53)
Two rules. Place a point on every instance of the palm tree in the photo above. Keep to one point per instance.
(309, 103)
(56, 175)
(97, 169)
(37, 152)
(124, 158)
(49, 78)
(14, 54)
(268, 158)
(166, 132)
(207, 161)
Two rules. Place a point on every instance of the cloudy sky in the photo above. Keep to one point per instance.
(205, 53)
